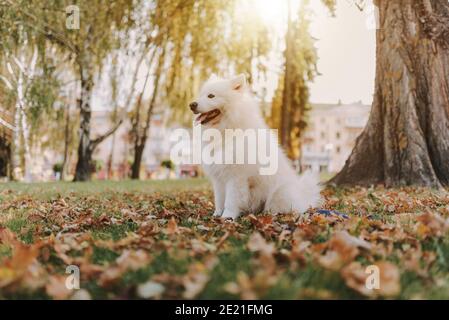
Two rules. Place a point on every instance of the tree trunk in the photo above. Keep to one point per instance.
(135, 167)
(84, 165)
(65, 160)
(16, 145)
(287, 92)
(111, 158)
(141, 137)
(139, 145)
(138, 148)
(406, 140)
(5, 155)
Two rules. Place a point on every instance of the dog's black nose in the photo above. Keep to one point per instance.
(193, 106)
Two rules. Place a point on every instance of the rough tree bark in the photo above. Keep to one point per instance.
(406, 140)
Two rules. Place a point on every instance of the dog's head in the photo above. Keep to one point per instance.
(216, 99)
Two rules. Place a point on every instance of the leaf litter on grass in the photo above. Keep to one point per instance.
(167, 245)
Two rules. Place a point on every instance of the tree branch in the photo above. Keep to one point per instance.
(50, 33)
(95, 142)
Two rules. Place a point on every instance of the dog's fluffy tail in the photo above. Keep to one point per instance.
(309, 190)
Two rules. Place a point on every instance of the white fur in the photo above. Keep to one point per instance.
(240, 188)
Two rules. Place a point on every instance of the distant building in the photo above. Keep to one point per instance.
(331, 135)
(156, 150)
(327, 144)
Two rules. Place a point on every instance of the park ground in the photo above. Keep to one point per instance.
(158, 240)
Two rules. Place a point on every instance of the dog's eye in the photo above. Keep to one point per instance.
(211, 96)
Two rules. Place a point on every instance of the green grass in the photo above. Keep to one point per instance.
(103, 256)
(48, 190)
(96, 223)
(114, 232)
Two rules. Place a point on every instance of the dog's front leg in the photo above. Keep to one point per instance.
(219, 195)
(237, 197)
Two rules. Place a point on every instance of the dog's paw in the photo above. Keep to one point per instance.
(218, 213)
(228, 214)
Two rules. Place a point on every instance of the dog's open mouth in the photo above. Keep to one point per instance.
(207, 117)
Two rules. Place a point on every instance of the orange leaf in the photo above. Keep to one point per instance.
(172, 226)
(56, 287)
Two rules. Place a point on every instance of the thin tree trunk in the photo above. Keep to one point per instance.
(27, 148)
(287, 94)
(111, 154)
(84, 165)
(5, 157)
(140, 138)
(128, 101)
(21, 87)
(138, 155)
(139, 146)
(406, 140)
(66, 144)
(15, 152)
(86, 148)
(111, 158)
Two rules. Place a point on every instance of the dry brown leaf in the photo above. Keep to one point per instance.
(56, 287)
(342, 249)
(172, 226)
(390, 285)
(81, 294)
(197, 277)
(431, 225)
(246, 288)
(355, 276)
(8, 237)
(22, 264)
(128, 260)
(257, 243)
(150, 289)
(133, 259)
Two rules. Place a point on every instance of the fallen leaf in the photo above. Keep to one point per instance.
(356, 276)
(342, 248)
(8, 237)
(431, 225)
(172, 226)
(56, 287)
(257, 243)
(197, 277)
(81, 294)
(21, 264)
(150, 289)
(128, 261)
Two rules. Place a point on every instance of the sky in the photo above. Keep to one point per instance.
(345, 44)
(347, 51)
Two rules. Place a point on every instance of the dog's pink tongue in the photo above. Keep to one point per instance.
(200, 117)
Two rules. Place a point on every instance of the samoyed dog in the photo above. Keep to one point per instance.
(225, 104)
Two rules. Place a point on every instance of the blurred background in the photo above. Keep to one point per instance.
(93, 89)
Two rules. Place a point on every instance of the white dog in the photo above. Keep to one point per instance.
(240, 188)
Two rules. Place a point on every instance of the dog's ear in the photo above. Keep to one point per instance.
(239, 82)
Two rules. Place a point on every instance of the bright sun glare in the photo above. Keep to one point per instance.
(274, 12)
